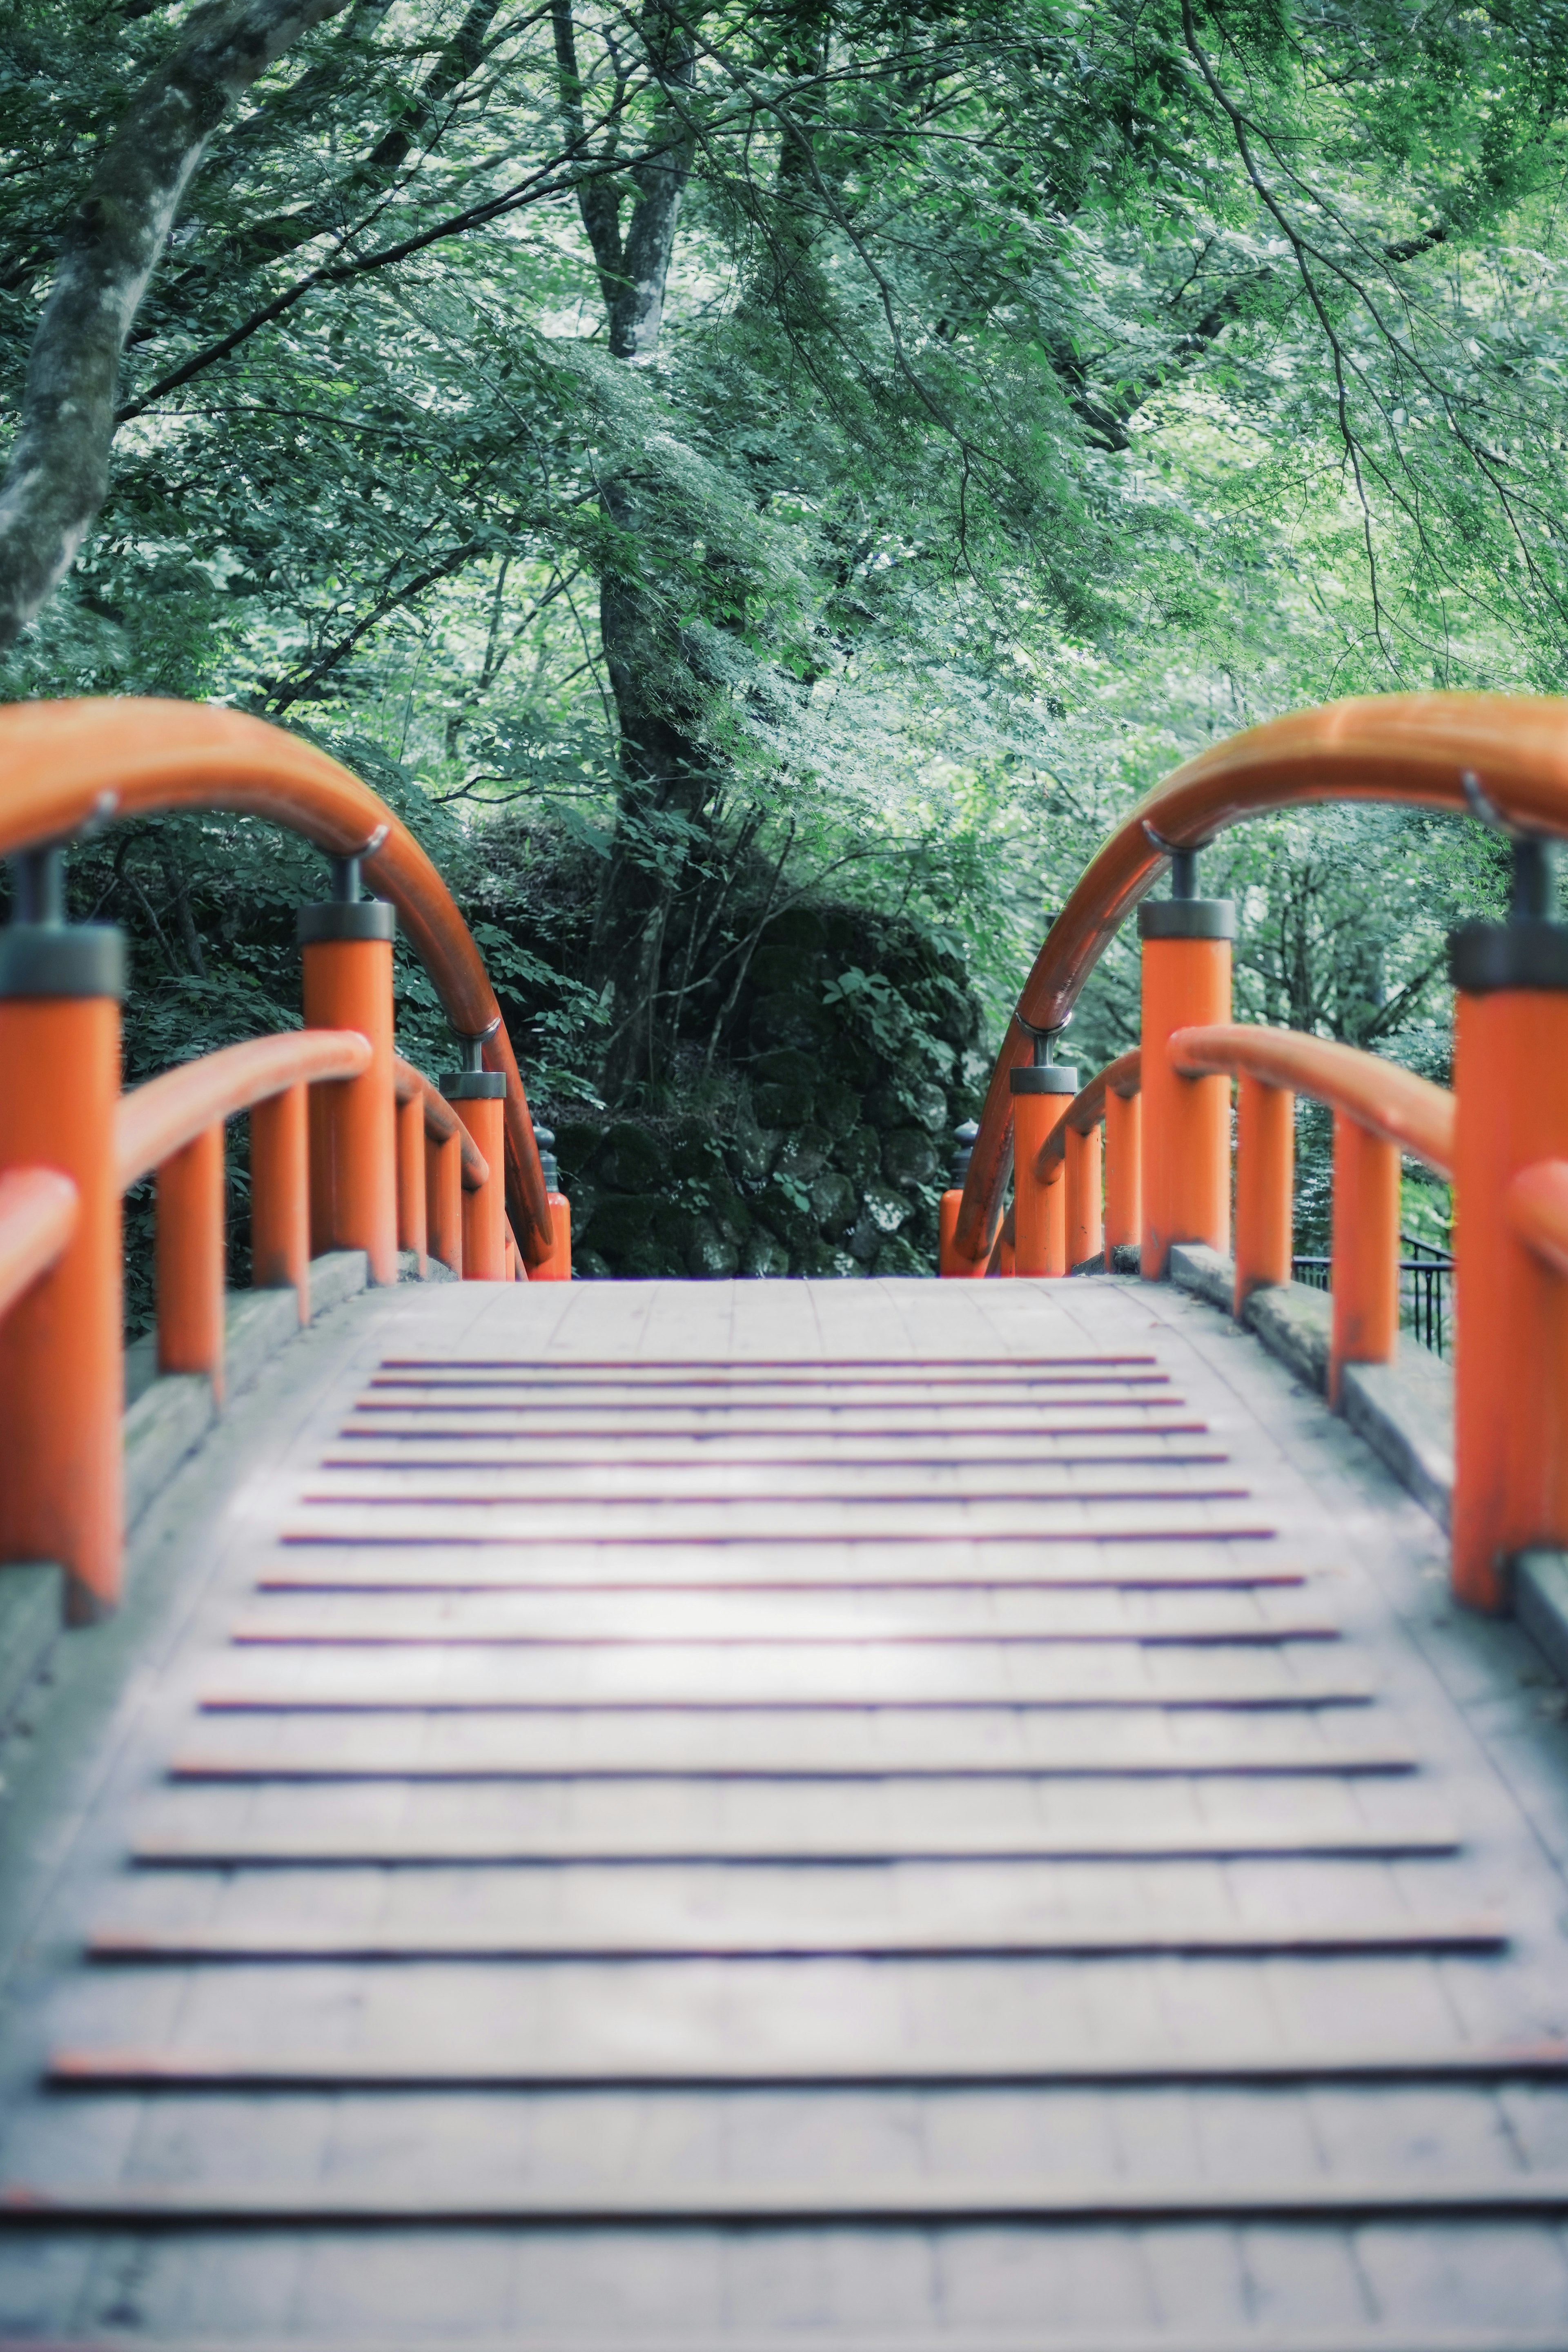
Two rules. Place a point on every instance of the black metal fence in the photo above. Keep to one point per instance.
(1425, 1294)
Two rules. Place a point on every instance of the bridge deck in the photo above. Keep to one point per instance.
(742, 1814)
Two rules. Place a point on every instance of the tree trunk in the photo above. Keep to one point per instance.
(667, 778)
(60, 468)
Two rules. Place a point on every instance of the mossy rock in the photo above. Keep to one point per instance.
(576, 1140)
(788, 1217)
(707, 1256)
(886, 1209)
(816, 1258)
(804, 1154)
(833, 1202)
(909, 1099)
(837, 1106)
(763, 1258)
(900, 1257)
(781, 970)
(859, 1154)
(632, 1160)
(797, 927)
(908, 1157)
(751, 1150)
(695, 1150)
(622, 1222)
(793, 1019)
(587, 1266)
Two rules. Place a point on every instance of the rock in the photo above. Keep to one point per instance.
(709, 1256)
(796, 1021)
(695, 1150)
(885, 1209)
(804, 1154)
(764, 1258)
(751, 1151)
(907, 1157)
(576, 1140)
(797, 927)
(900, 1257)
(833, 1202)
(814, 1259)
(622, 1222)
(865, 1241)
(859, 1154)
(837, 1106)
(587, 1266)
(632, 1160)
(786, 1205)
(908, 1099)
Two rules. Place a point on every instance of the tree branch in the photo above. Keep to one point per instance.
(59, 472)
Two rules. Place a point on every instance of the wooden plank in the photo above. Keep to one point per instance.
(1011, 1564)
(894, 1477)
(757, 1937)
(248, 1848)
(476, 1631)
(440, 2203)
(1092, 1441)
(789, 1763)
(1157, 2067)
(927, 1523)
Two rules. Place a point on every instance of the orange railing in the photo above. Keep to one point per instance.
(351, 1148)
(1501, 1135)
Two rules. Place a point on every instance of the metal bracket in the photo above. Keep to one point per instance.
(1480, 805)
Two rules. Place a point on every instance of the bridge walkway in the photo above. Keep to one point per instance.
(735, 1815)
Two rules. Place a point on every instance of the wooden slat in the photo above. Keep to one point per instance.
(387, 1632)
(252, 1848)
(1010, 1565)
(439, 2201)
(1156, 2067)
(757, 1937)
(445, 1523)
(790, 1763)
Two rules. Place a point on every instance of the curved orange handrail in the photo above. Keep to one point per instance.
(157, 1120)
(1086, 1108)
(441, 1121)
(37, 1215)
(1393, 1103)
(1538, 1211)
(1415, 750)
(66, 764)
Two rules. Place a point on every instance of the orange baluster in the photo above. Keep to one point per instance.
(1084, 1214)
(1511, 1313)
(1123, 1171)
(281, 1196)
(479, 1098)
(412, 1221)
(1041, 1093)
(346, 946)
(948, 1263)
(1265, 1186)
(189, 1257)
(62, 1380)
(1186, 1121)
(557, 1266)
(1365, 1250)
(444, 1200)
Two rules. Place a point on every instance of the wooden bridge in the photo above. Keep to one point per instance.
(963, 1815)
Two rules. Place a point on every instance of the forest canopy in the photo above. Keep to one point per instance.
(710, 459)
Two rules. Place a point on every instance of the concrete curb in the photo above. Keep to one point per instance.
(1404, 1411)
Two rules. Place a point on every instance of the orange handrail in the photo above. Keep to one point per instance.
(1086, 1108)
(37, 1216)
(1538, 1211)
(441, 1121)
(1393, 1103)
(70, 763)
(155, 1120)
(1487, 753)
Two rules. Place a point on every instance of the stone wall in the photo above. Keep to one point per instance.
(824, 1148)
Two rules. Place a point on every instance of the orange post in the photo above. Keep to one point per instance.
(557, 1266)
(1186, 1121)
(280, 1197)
(444, 1200)
(1085, 1215)
(1265, 1186)
(62, 1382)
(1365, 1250)
(1511, 1312)
(479, 1098)
(346, 945)
(1041, 1094)
(411, 1216)
(1123, 1171)
(189, 1255)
